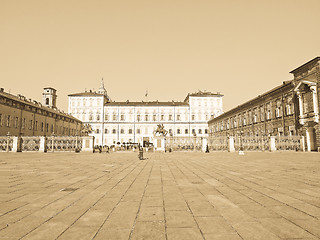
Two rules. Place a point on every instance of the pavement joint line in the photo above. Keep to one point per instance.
(119, 201)
(264, 206)
(95, 203)
(55, 201)
(163, 203)
(135, 220)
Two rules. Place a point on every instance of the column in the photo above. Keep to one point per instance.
(273, 144)
(231, 144)
(43, 144)
(300, 108)
(15, 144)
(315, 103)
(311, 143)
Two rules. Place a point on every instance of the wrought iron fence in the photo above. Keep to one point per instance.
(183, 143)
(217, 143)
(252, 143)
(64, 144)
(30, 143)
(286, 143)
(6, 143)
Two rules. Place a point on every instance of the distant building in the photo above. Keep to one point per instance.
(289, 109)
(117, 122)
(20, 116)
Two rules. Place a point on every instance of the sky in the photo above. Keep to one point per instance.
(240, 48)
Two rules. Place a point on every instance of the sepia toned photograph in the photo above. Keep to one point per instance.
(169, 120)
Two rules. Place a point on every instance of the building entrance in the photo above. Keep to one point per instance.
(146, 141)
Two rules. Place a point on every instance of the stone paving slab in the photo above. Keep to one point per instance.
(167, 196)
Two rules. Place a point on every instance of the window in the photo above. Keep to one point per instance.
(130, 131)
(0, 119)
(98, 130)
(193, 131)
(30, 125)
(90, 117)
(35, 125)
(162, 117)
(98, 117)
(206, 131)
(122, 117)
(47, 127)
(106, 117)
(178, 117)
(178, 131)
(138, 117)
(146, 118)
(42, 126)
(106, 131)
(114, 131)
(192, 117)
(47, 101)
(16, 122)
(114, 117)
(170, 117)
(186, 131)
(154, 118)
(52, 128)
(200, 131)
(8, 121)
(170, 131)
(122, 131)
(138, 131)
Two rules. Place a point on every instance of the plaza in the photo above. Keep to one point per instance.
(179, 195)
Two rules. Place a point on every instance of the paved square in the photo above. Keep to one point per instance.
(168, 196)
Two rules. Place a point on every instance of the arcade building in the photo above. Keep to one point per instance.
(116, 122)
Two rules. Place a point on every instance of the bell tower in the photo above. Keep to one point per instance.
(49, 97)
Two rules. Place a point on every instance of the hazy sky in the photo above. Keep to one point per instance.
(240, 48)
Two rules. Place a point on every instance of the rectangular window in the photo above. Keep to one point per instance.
(42, 127)
(122, 117)
(30, 125)
(162, 117)
(47, 127)
(114, 131)
(193, 131)
(170, 117)
(130, 131)
(138, 118)
(98, 130)
(206, 131)
(16, 119)
(138, 131)
(200, 131)
(178, 131)
(36, 125)
(8, 121)
(106, 117)
(146, 118)
(114, 117)
(178, 117)
(193, 117)
(186, 131)
(170, 131)
(0, 119)
(122, 131)
(106, 131)
(98, 117)
(154, 118)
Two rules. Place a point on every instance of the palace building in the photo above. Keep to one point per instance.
(20, 116)
(289, 109)
(116, 122)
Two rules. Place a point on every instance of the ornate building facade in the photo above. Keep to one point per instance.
(117, 122)
(289, 109)
(20, 116)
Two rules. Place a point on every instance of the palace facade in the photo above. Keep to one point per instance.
(289, 109)
(20, 116)
(135, 122)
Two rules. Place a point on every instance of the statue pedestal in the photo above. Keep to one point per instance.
(159, 143)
